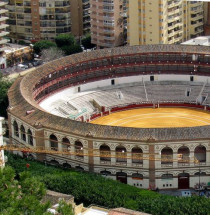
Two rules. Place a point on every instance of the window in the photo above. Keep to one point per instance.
(152, 78)
(191, 78)
(30, 137)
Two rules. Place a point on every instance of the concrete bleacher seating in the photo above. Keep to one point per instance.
(141, 92)
(206, 92)
(172, 91)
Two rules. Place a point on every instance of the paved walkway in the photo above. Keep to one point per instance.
(13, 76)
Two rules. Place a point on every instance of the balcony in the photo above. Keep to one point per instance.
(108, 3)
(108, 24)
(3, 41)
(3, 4)
(3, 26)
(109, 18)
(108, 10)
(197, 17)
(112, 38)
(108, 31)
(3, 33)
(3, 11)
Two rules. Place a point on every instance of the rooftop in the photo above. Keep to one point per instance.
(200, 41)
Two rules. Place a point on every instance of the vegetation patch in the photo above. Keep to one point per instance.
(89, 188)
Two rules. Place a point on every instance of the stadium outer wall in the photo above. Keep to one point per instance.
(89, 144)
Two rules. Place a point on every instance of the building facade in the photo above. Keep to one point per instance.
(3, 33)
(45, 19)
(80, 16)
(146, 158)
(107, 24)
(207, 18)
(164, 22)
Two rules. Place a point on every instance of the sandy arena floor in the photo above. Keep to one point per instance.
(156, 118)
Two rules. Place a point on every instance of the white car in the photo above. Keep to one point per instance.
(22, 66)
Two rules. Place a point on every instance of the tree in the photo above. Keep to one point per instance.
(65, 209)
(65, 40)
(72, 49)
(5, 84)
(86, 42)
(43, 44)
(23, 196)
(51, 54)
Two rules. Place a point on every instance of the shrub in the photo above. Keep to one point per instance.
(89, 188)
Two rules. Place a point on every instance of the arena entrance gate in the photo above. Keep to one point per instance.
(183, 181)
(122, 177)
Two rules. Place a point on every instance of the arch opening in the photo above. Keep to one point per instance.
(105, 153)
(137, 155)
(30, 137)
(22, 133)
(53, 142)
(167, 156)
(183, 155)
(200, 154)
(122, 177)
(121, 155)
(16, 129)
(79, 150)
(183, 181)
(66, 144)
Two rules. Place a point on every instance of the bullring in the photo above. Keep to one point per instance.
(161, 76)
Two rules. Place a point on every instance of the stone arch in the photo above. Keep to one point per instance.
(105, 153)
(121, 154)
(167, 176)
(53, 142)
(183, 154)
(200, 153)
(105, 173)
(22, 133)
(66, 165)
(183, 180)
(16, 128)
(137, 176)
(79, 168)
(54, 163)
(137, 155)
(200, 173)
(79, 150)
(122, 177)
(30, 137)
(66, 144)
(167, 156)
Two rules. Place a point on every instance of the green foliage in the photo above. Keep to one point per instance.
(22, 42)
(5, 84)
(65, 209)
(65, 40)
(43, 44)
(72, 49)
(91, 188)
(21, 197)
(86, 42)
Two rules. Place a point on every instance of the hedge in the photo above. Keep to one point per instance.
(89, 188)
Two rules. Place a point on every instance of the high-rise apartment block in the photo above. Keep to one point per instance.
(107, 24)
(163, 21)
(44, 19)
(207, 18)
(80, 17)
(3, 33)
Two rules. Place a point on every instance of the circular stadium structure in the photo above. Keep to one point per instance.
(136, 114)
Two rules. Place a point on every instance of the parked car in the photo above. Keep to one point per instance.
(22, 66)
